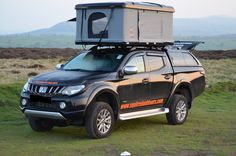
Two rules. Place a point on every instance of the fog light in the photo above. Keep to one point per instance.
(23, 102)
(62, 105)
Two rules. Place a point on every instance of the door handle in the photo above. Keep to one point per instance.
(167, 76)
(146, 81)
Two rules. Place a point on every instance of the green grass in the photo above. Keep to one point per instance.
(68, 41)
(223, 70)
(209, 130)
(52, 41)
(211, 42)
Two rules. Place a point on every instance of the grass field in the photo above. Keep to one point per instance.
(209, 130)
(67, 41)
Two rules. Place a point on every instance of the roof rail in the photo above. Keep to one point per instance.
(131, 47)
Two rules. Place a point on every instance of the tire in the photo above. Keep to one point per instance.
(40, 125)
(178, 110)
(99, 120)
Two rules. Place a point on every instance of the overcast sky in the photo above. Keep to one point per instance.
(18, 16)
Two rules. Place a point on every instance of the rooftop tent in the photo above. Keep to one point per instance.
(124, 23)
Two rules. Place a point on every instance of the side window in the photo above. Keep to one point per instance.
(137, 62)
(155, 62)
(189, 60)
(96, 25)
(177, 59)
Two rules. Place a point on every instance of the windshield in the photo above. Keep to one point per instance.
(95, 61)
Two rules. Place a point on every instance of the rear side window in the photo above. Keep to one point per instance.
(183, 59)
(137, 62)
(155, 62)
(189, 60)
(177, 59)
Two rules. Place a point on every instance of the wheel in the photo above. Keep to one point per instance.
(40, 125)
(99, 120)
(178, 110)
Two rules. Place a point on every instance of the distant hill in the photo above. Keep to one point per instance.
(219, 42)
(209, 26)
(64, 28)
(218, 33)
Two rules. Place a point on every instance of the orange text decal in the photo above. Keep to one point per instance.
(143, 103)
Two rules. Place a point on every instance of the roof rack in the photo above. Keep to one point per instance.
(164, 44)
(184, 45)
(130, 47)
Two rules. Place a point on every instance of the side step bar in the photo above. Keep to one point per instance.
(145, 113)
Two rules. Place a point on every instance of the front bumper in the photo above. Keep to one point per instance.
(44, 114)
(73, 117)
(73, 113)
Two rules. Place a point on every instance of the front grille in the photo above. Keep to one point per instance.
(37, 89)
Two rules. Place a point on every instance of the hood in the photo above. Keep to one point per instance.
(60, 77)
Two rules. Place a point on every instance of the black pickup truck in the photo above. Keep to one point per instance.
(106, 84)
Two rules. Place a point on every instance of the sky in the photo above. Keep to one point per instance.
(17, 16)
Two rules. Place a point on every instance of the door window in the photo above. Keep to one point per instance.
(138, 62)
(155, 62)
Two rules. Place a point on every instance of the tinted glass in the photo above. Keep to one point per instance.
(155, 62)
(95, 62)
(177, 59)
(137, 62)
(189, 60)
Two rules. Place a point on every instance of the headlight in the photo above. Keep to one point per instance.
(25, 88)
(73, 90)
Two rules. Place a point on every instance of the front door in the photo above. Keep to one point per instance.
(133, 89)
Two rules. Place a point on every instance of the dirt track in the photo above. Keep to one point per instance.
(48, 53)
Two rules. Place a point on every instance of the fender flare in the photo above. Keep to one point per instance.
(98, 91)
(178, 85)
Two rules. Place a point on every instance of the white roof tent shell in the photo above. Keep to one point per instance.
(128, 23)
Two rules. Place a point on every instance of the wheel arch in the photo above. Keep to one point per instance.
(107, 95)
(185, 89)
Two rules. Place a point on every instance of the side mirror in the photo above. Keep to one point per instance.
(59, 66)
(130, 70)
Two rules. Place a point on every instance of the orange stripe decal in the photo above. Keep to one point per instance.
(46, 82)
(143, 103)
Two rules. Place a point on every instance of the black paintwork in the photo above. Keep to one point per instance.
(161, 84)
(66, 78)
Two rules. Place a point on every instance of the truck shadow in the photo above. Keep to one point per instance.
(79, 132)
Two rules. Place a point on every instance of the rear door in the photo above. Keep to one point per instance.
(160, 77)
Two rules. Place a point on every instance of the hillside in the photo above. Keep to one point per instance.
(218, 33)
(208, 26)
(52, 53)
(64, 28)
